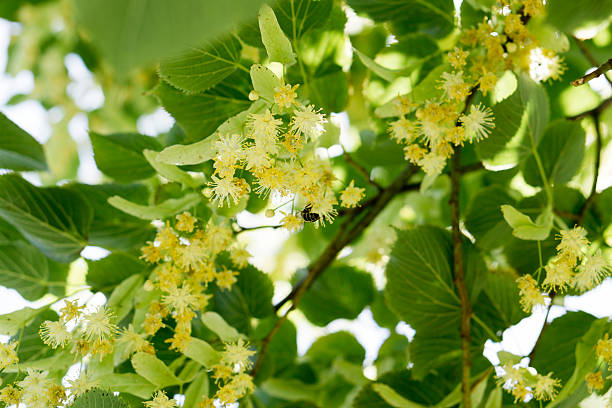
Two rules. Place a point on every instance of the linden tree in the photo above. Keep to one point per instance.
(306, 203)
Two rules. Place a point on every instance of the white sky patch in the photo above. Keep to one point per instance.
(94, 253)
(155, 123)
(600, 85)
(86, 94)
(31, 117)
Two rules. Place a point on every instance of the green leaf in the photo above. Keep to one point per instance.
(154, 370)
(282, 350)
(394, 354)
(578, 16)
(380, 153)
(202, 352)
(31, 346)
(523, 255)
(55, 220)
(420, 288)
(119, 155)
(524, 228)
(169, 171)
(297, 17)
(434, 17)
(325, 349)
(556, 350)
(381, 313)
(502, 308)
(110, 227)
(328, 91)
(58, 361)
(393, 398)
(18, 150)
(215, 322)
(427, 392)
(99, 399)
(163, 210)
(200, 114)
(129, 383)
(194, 153)
(10, 323)
(290, 389)
(205, 150)
(484, 218)
(276, 42)
(585, 360)
(495, 398)
(340, 293)
(25, 269)
(250, 296)
(520, 120)
(130, 34)
(385, 73)
(198, 387)
(561, 151)
(108, 272)
(201, 68)
(121, 300)
(264, 81)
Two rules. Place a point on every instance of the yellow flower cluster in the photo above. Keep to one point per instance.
(521, 383)
(160, 400)
(273, 150)
(231, 375)
(575, 265)
(501, 42)
(185, 258)
(564, 270)
(93, 334)
(594, 381)
(35, 390)
(8, 355)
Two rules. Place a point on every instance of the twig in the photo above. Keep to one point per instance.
(348, 231)
(587, 54)
(466, 308)
(595, 111)
(593, 74)
(361, 170)
(593, 193)
(458, 272)
(245, 229)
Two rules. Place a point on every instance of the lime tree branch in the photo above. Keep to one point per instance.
(361, 170)
(593, 74)
(458, 272)
(601, 70)
(351, 229)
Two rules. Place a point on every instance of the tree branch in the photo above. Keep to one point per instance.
(593, 74)
(459, 275)
(361, 170)
(599, 71)
(348, 231)
(458, 272)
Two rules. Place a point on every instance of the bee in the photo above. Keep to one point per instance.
(309, 216)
